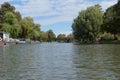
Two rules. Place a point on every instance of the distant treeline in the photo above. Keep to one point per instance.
(12, 22)
(49, 36)
(93, 24)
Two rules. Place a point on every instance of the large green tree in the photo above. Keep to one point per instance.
(11, 25)
(87, 25)
(4, 9)
(29, 29)
(112, 20)
(12, 22)
(36, 32)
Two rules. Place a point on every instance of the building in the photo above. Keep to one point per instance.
(4, 36)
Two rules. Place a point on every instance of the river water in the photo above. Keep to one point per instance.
(60, 61)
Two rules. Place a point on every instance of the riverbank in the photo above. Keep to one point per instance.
(17, 41)
(110, 42)
(100, 42)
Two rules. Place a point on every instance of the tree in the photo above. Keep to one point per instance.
(86, 27)
(51, 36)
(70, 38)
(44, 36)
(6, 27)
(18, 16)
(10, 24)
(29, 29)
(61, 38)
(1, 19)
(5, 7)
(112, 20)
(36, 32)
(26, 27)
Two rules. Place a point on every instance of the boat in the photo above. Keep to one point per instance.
(20, 42)
(1, 43)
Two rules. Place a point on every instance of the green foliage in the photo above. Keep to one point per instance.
(10, 24)
(87, 25)
(26, 27)
(51, 36)
(37, 32)
(18, 16)
(64, 38)
(44, 36)
(29, 29)
(61, 38)
(112, 20)
(48, 36)
(5, 7)
(70, 38)
(9, 18)
(6, 27)
(107, 36)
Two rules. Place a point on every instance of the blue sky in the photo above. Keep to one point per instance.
(57, 15)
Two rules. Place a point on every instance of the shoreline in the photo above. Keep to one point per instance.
(100, 42)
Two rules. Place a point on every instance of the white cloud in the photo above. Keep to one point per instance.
(2, 1)
(66, 10)
(107, 3)
(54, 20)
(61, 10)
(66, 32)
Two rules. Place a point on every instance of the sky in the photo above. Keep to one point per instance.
(56, 15)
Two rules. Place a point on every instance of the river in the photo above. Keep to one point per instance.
(60, 61)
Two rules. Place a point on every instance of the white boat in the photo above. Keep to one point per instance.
(20, 42)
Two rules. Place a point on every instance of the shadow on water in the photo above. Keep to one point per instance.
(60, 61)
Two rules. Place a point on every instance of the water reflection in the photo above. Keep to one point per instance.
(16, 61)
(97, 62)
(59, 61)
(1, 63)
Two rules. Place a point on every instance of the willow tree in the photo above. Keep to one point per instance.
(29, 29)
(36, 32)
(86, 27)
(11, 25)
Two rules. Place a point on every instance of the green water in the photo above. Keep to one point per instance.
(60, 61)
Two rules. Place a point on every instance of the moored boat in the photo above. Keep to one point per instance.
(20, 41)
(1, 43)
